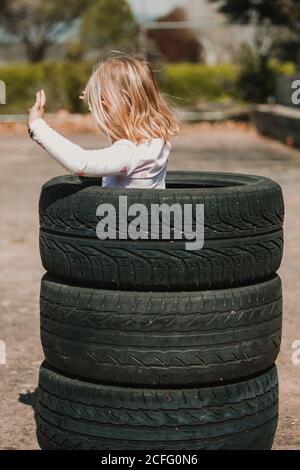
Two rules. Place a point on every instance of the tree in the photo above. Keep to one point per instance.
(264, 14)
(177, 45)
(276, 21)
(39, 23)
(276, 12)
(109, 23)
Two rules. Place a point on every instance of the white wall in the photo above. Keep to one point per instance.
(198, 10)
(220, 40)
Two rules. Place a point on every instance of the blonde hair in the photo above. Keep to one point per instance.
(123, 96)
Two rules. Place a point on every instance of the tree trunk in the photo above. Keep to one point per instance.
(36, 52)
(267, 83)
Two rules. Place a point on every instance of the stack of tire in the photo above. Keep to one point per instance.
(152, 346)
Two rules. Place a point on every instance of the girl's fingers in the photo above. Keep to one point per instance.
(39, 98)
(43, 98)
(36, 104)
(40, 101)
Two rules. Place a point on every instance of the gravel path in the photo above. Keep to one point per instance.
(25, 167)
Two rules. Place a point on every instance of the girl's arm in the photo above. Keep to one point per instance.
(114, 160)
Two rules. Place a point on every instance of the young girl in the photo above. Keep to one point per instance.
(123, 96)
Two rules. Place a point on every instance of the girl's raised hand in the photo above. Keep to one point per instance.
(37, 111)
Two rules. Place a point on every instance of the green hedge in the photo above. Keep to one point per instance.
(185, 84)
(62, 82)
(285, 68)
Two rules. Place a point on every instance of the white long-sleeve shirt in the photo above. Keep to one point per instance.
(124, 164)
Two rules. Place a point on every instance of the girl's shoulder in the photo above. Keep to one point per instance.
(154, 140)
(148, 149)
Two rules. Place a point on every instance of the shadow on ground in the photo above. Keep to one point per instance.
(29, 398)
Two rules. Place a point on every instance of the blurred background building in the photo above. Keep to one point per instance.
(219, 39)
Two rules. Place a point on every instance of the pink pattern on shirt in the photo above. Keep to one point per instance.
(124, 170)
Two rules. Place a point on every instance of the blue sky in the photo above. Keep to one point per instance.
(152, 8)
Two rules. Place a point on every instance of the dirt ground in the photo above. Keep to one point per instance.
(25, 167)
